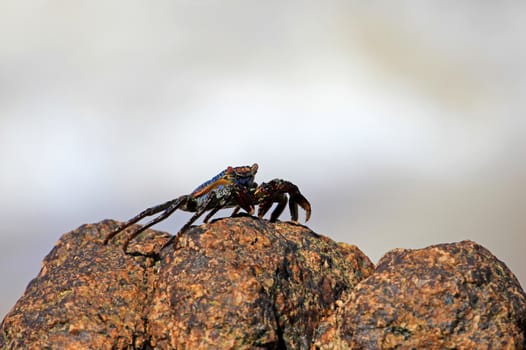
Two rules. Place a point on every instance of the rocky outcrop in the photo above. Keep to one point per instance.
(246, 283)
(233, 284)
(447, 296)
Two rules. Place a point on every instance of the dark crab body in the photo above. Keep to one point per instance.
(234, 187)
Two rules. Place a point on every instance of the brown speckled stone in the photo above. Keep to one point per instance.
(247, 283)
(234, 283)
(86, 296)
(448, 296)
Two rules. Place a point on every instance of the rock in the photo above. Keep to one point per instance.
(447, 296)
(234, 283)
(246, 283)
(86, 295)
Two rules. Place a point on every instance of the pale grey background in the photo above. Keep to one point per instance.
(402, 122)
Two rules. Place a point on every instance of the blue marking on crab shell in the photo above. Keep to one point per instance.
(209, 182)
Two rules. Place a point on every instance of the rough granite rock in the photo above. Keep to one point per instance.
(447, 296)
(86, 296)
(236, 283)
(245, 283)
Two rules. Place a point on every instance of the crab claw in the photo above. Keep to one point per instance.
(275, 192)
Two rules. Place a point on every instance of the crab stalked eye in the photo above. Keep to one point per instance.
(229, 173)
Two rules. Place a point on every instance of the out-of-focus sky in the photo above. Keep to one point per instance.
(402, 122)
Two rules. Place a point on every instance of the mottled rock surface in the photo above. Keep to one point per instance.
(246, 283)
(240, 283)
(448, 296)
(86, 296)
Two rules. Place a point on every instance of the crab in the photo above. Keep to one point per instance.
(233, 187)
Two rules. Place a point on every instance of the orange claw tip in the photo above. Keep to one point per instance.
(306, 206)
(307, 213)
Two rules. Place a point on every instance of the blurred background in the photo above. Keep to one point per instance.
(402, 122)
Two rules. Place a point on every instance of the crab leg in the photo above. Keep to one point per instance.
(169, 211)
(242, 197)
(282, 202)
(209, 203)
(168, 207)
(296, 199)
